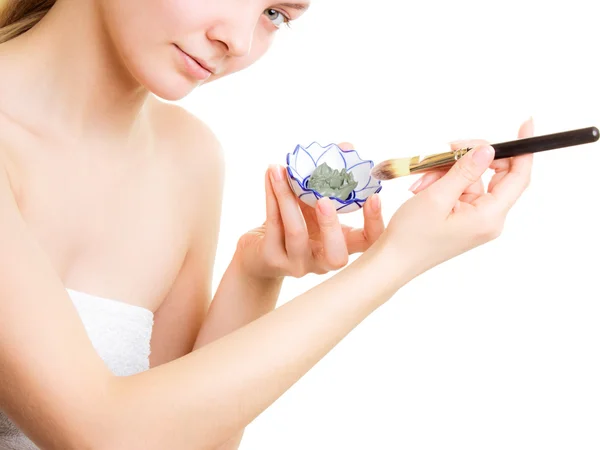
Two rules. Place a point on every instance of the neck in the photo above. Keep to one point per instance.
(65, 77)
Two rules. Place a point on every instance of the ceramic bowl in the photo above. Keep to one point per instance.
(302, 162)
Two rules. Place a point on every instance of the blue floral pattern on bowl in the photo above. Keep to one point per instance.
(302, 162)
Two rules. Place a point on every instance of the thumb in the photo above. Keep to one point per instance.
(464, 173)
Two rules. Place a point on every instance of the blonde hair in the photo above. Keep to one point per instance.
(18, 16)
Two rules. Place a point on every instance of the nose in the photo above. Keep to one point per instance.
(236, 36)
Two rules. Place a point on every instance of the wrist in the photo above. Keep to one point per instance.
(388, 265)
(253, 279)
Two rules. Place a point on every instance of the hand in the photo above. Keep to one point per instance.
(297, 239)
(452, 213)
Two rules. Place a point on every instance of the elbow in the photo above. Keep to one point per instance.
(92, 436)
(147, 440)
(103, 436)
(75, 439)
(66, 431)
(95, 423)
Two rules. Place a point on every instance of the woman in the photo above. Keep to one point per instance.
(106, 244)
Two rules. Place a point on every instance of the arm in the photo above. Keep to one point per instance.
(201, 168)
(197, 401)
(184, 310)
(238, 301)
(202, 399)
(223, 386)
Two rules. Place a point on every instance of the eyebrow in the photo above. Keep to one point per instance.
(297, 6)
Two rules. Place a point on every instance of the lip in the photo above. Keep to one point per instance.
(196, 67)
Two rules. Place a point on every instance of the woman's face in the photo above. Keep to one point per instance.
(164, 43)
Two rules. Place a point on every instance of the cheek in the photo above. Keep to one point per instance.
(161, 72)
(260, 46)
(143, 32)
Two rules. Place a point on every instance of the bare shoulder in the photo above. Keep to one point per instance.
(190, 141)
(199, 166)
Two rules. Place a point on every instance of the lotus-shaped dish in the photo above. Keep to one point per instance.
(302, 162)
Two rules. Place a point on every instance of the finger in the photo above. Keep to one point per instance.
(527, 129)
(468, 198)
(498, 176)
(431, 177)
(310, 218)
(334, 253)
(274, 234)
(346, 146)
(510, 187)
(473, 192)
(427, 180)
(295, 231)
(467, 143)
(358, 240)
(467, 171)
(476, 189)
(373, 218)
(470, 194)
(502, 166)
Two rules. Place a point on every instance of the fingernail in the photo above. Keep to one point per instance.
(376, 203)
(483, 155)
(531, 123)
(325, 206)
(275, 173)
(416, 184)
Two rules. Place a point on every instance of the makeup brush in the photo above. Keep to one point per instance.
(400, 167)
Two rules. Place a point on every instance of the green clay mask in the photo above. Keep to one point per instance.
(332, 183)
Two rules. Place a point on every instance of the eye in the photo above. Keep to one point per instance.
(276, 17)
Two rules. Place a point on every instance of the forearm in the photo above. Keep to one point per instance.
(212, 393)
(198, 401)
(239, 300)
(56, 388)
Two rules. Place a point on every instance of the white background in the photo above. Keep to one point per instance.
(499, 348)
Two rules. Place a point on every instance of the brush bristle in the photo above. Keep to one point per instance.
(390, 169)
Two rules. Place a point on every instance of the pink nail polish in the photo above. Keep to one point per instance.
(376, 202)
(276, 173)
(483, 155)
(415, 185)
(531, 125)
(325, 207)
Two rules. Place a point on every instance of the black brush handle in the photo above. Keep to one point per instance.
(546, 142)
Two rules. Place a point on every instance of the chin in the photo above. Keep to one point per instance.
(168, 85)
(161, 78)
(177, 89)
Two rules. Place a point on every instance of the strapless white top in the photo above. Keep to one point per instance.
(119, 332)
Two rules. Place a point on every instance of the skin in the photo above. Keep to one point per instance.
(94, 169)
